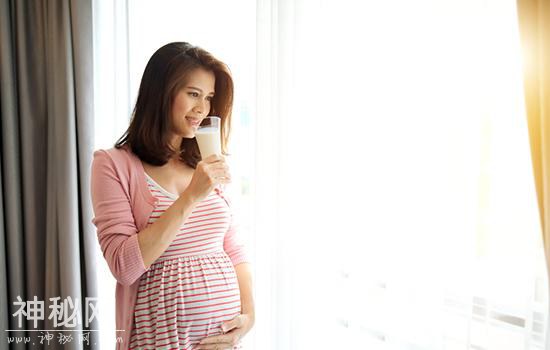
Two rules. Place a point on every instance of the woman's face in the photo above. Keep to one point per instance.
(192, 103)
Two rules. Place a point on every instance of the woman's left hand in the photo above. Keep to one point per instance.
(234, 331)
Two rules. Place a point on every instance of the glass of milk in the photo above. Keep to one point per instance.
(208, 136)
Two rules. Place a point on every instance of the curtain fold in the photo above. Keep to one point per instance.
(534, 21)
(534, 24)
(47, 241)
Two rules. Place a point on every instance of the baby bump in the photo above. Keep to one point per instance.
(211, 296)
(190, 295)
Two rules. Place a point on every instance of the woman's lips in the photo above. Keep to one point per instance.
(193, 121)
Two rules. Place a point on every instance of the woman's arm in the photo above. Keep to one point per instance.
(157, 237)
(236, 250)
(244, 276)
(127, 251)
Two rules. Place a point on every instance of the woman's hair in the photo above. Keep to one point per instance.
(165, 75)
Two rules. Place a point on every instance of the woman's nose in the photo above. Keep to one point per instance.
(200, 107)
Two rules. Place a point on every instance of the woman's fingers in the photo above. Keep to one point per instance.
(218, 166)
(210, 172)
(222, 341)
(214, 158)
(219, 171)
(222, 177)
(221, 346)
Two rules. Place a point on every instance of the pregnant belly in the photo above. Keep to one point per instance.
(183, 300)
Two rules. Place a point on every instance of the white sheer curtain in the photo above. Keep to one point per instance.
(395, 206)
(112, 112)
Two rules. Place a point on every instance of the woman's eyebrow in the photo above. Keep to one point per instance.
(198, 89)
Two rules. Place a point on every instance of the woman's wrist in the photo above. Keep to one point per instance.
(186, 200)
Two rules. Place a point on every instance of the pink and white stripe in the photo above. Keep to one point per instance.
(192, 287)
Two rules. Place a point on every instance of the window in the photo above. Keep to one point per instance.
(382, 165)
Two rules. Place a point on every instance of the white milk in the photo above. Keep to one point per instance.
(209, 142)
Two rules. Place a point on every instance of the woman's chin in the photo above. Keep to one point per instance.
(187, 134)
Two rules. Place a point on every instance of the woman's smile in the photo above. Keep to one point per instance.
(194, 122)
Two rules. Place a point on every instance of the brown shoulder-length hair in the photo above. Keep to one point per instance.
(166, 73)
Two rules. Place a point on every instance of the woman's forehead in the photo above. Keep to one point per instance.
(201, 78)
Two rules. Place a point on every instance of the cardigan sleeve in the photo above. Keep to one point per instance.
(114, 220)
(233, 245)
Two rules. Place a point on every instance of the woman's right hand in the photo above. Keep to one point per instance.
(209, 173)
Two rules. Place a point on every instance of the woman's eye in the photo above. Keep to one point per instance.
(194, 94)
(210, 98)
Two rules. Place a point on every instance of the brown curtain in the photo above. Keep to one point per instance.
(534, 23)
(48, 247)
(534, 20)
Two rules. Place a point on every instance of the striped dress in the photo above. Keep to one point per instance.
(192, 288)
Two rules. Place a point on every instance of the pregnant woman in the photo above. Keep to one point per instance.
(164, 223)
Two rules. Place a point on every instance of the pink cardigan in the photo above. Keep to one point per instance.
(122, 205)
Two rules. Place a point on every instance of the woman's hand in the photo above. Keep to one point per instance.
(234, 331)
(210, 172)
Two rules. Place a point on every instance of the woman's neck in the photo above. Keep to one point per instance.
(175, 143)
